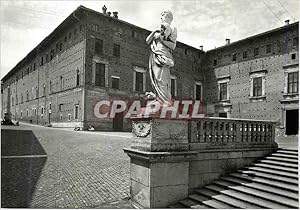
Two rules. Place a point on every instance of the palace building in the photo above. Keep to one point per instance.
(93, 56)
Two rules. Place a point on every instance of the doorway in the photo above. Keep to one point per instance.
(292, 122)
(118, 122)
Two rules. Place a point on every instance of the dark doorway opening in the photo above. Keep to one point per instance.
(118, 122)
(224, 114)
(292, 122)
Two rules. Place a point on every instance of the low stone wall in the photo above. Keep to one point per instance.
(170, 158)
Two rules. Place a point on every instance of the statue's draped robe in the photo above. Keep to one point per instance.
(160, 62)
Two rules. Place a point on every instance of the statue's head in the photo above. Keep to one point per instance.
(167, 16)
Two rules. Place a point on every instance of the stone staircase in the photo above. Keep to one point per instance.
(271, 182)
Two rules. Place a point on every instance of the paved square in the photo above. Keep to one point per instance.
(80, 170)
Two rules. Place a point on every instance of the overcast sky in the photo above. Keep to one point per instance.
(24, 24)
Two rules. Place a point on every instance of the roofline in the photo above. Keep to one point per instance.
(256, 35)
(61, 25)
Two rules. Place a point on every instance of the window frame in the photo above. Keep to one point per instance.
(173, 77)
(198, 83)
(140, 70)
(118, 78)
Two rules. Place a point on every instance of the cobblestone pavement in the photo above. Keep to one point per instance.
(81, 170)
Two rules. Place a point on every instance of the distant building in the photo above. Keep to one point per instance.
(92, 56)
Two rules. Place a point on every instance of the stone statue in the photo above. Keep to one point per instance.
(162, 42)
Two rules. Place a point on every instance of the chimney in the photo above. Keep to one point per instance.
(287, 22)
(227, 41)
(201, 47)
(108, 13)
(115, 14)
(104, 9)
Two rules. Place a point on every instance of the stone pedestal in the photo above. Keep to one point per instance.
(159, 162)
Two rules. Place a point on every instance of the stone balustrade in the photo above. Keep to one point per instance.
(170, 158)
(223, 133)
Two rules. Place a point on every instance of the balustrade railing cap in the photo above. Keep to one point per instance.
(235, 119)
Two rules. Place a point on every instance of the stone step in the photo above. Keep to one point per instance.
(286, 186)
(227, 199)
(295, 157)
(253, 199)
(188, 203)
(278, 168)
(265, 195)
(278, 178)
(278, 163)
(288, 152)
(177, 206)
(281, 159)
(272, 171)
(259, 186)
(210, 202)
(289, 149)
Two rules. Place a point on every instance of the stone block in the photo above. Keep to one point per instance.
(140, 195)
(140, 173)
(163, 174)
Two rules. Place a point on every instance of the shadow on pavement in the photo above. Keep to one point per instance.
(22, 160)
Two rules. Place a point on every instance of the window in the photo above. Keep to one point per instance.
(60, 107)
(257, 86)
(139, 81)
(133, 34)
(27, 96)
(22, 74)
(36, 92)
(27, 112)
(49, 107)
(61, 117)
(293, 56)
(295, 41)
(76, 112)
(34, 67)
(61, 82)
(215, 62)
(115, 82)
(116, 50)
(44, 89)
(12, 101)
(198, 91)
(27, 71)
(185, 51)
(245, 54)
(100, 75)
(69, 117)
(42, 111)
(293, 82)
(173, 86)
(256, 51)
(17, 100)
(21, 98)
(21, 114)
(60, 47)
(51, 54)
(223, 91)
(50, 86)
(99, 46)
(234, 57)
(77, 77)
(268, 48)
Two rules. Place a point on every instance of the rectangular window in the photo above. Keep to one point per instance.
(116, 50)
(36, 92)
(173, 87)
(100, 75)
(76, 112)
(215, 62)
(115, 82)
(50, 86)
(245, 54)
(98, 46)
(139, 77)
(77, 77)
(34, 67)
(256, 51)
(268, 48)
(27, 96)
(69, 117)
(44, 89)
(295, 41)
(257, 86)
(293, 56)
(223, 91)
(234, 57)
(293, 82)
(198, 91)
(60, 107)
(61, 83)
